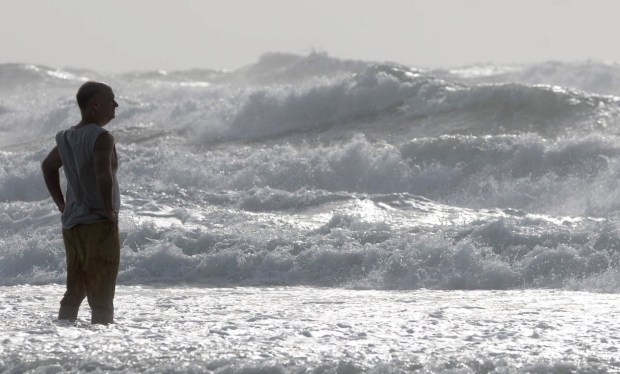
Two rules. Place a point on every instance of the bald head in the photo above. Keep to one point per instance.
(96, 102)
(89, 91)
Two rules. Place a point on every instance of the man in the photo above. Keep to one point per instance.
(90, 213)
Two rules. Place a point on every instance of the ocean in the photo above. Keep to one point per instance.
(309, 214)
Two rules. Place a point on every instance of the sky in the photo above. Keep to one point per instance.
(130, 35)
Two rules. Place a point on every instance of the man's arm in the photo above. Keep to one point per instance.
(50, 167)
(102, 156)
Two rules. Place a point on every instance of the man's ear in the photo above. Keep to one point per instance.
(93, 103)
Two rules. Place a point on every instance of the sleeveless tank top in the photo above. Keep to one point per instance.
(76, 147)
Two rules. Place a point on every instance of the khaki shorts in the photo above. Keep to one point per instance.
(93, 255)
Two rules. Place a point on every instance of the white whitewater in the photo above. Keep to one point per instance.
(310, 214)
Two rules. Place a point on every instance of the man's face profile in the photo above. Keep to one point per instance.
(105, 104)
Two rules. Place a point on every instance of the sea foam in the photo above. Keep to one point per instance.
(318, 171)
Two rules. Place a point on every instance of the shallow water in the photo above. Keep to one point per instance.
(300, 329)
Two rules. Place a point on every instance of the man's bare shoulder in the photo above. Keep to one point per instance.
(104, 142)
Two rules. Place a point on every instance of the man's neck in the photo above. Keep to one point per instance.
(87, 121)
